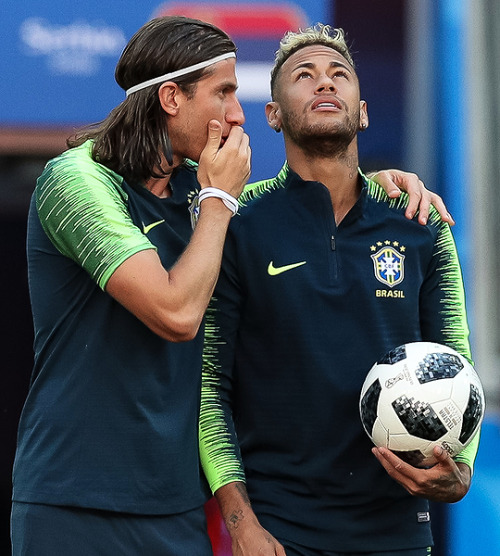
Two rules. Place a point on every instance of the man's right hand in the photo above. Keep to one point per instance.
(227, 167)
(248, 537)
(255, 540)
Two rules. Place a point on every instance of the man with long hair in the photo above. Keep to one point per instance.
(107, 459)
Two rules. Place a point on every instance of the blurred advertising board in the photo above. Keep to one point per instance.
(58, 58)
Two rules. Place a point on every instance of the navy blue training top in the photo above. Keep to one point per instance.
(111, 418)
(302, 310)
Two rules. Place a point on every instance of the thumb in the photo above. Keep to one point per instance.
(440, 453)
(214, 137)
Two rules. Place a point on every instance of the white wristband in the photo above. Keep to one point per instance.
(229, 201)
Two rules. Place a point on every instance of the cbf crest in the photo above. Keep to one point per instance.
(388, 262)
(194, 207)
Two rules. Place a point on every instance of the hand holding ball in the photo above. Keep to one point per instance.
(419, 395)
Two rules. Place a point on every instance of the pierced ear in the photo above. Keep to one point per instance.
(273, 116)
(168, 94)
(364, 121)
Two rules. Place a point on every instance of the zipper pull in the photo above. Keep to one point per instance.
(332, 243)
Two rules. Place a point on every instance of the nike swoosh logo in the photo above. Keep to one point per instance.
(149, 227)
(274, 271)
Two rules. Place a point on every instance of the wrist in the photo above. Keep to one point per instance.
(214, 211)
(235, 507)
(230, 202)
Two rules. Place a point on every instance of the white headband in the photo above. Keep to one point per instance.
(178, 73)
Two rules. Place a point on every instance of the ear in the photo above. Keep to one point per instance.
(169, 94)
(273, 116)
(363, 115)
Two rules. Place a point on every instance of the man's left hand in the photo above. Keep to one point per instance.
(446, 481)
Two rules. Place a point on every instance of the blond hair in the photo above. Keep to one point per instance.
(325, 35)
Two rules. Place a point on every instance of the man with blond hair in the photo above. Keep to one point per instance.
(297, 320)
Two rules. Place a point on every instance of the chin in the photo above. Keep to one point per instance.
(194, 156)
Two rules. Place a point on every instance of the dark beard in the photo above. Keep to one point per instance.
(330, 142)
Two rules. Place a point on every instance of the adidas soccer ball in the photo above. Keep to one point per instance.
(419, 395)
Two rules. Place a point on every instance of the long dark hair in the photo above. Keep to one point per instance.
(133, 139)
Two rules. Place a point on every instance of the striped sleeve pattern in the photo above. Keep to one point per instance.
(455, 329)
(219, 450)
(83, 210)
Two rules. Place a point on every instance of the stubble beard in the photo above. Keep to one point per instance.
(320, 141)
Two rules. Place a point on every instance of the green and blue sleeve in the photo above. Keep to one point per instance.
(219, 449)
(83, 210)
(443, 309)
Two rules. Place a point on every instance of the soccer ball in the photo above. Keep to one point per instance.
(420, 395)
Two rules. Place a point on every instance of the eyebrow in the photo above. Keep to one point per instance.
(228, 85)
(333, 64)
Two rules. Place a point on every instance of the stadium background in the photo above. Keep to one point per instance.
(431, 75)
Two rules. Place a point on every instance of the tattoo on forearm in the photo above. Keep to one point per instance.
(237, 515)
(235, 518)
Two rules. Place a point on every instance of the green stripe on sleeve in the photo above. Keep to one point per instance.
(83, 210)
(218, 450)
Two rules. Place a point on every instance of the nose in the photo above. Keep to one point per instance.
(325, 83)
(234, 112)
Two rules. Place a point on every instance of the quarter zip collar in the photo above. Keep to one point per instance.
(294, 183)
